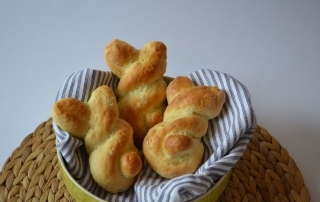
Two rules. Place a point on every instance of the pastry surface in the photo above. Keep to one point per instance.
(173, 147)
(113, 159)
(141, 90)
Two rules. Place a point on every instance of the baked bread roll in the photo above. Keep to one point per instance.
(113, 159)
(141, 90)
(174, 148)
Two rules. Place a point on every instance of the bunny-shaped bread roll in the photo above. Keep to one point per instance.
(141, 90)
(114, 160)
(174, 148)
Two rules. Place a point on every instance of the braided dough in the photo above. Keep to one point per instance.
(141, 90)
(174, 148)
(114, 160)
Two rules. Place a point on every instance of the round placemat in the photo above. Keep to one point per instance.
(265, 172)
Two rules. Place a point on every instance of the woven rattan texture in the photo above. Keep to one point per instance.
(265, 172)
(32, 173)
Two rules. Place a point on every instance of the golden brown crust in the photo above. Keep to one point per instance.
(179, 85)
(173, 147)
(114, 160)
(65, 113)
(177, 143)
(141, 89)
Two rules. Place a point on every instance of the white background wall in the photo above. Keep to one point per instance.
(272, 47)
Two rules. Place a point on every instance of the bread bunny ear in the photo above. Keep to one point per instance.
(141, 89)
(113, 159)
(72, 115)
(179, 85)
(174, 148)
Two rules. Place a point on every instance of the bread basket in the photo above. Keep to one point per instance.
(217, 165)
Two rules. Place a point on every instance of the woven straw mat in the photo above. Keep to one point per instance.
(265, 172)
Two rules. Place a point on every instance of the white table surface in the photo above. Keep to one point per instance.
(272, 47)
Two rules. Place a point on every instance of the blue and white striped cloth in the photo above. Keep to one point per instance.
(225, 141)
